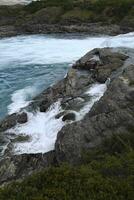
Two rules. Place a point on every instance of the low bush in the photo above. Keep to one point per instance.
(104, 175)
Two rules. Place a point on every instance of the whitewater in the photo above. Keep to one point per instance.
(13, 2)
(29, 64)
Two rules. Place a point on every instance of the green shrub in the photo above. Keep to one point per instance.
(109, 11)
(107, 175)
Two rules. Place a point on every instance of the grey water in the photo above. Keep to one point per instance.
(29, 64)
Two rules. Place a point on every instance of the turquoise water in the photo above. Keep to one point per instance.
(29, 64)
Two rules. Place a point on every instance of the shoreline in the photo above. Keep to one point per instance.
(90, 29)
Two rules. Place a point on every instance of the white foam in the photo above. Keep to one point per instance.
(42, 128)
(95, 93)
(123, 40)
(20, 99)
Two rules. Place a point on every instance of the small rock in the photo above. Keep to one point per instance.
(22, 118)
(69, 116)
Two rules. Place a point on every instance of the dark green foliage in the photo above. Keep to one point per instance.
(37, 5)
(103, 10)
(106, 11)
(106, 173)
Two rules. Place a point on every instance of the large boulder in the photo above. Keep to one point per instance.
(101, 63)
(113, 114)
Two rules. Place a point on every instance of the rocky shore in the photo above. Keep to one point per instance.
(85, 28)
(112, 112)
(43, 17)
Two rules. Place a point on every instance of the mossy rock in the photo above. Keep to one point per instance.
(21, 138)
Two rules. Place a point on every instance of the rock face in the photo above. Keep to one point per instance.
(45, 28)
(67, 90)
(112, 114)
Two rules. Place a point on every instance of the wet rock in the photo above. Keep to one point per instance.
(11, 120)
(74, 103)
(101, 63)
(22, 118)
(69, 116)
(73, 86)
(96, 65)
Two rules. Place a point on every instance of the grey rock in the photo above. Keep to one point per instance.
(22, 118)
(11, 120)
(112, 114)
(69, 116)
(20, 166)
(101, 63)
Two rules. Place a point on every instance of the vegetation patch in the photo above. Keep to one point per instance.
(106, 173)
(106, 11)
(78, 14)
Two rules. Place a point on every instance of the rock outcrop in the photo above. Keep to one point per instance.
(87, 28)
(11, 120)
(112, 114)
